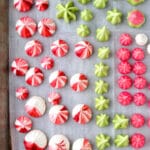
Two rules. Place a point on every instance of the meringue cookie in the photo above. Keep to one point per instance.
(120, 121)
(148, 48)
(83, 30)
(100, 4)
(35, 139)
(121, 140)
(102, 141)
(59, 141)
(84, 1)
(67, 11)
(86, 15)
(35, 106)
(104, 52)
(114, 16)
(141, 39)
(82, 144)
(103, 34)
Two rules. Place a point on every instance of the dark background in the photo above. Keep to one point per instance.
(4, 126)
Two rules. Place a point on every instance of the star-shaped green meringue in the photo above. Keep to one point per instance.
(101, 103)
(102, 141)
(67, 11)
(84, 1)
(101, 87)
(135, 2)
(86, 15)
(83, 30)
(100, 4)
(101, 70)
(114, 16)
(104, 52)
(102, 120)
(103, 34)
(121, 140)
(120, 121)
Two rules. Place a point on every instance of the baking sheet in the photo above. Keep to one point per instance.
(70, 64)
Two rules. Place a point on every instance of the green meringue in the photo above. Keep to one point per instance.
(121, 140)
(83, 30)
(102, 120)
(102, 141)
(120, 121)
(135, 2)
(84, 1)
(114, 16)
(100, 4)
(101, 87)
(86, 15)
(103, 34)
(102, 103)
(101, 70)
(104, 52)
(67, 11)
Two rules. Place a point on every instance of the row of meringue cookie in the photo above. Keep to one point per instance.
(60, 48)
(58, 114)
(137, 140)
(26, 27)
(101, 102)
(37, 139)
(57, 79)
(26, 5)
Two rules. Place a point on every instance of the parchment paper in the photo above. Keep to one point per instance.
(70, 64)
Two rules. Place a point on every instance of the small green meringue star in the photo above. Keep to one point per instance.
(67, 11)
(114, 16)
(120, 121)
(101, 103)
(102, 141)
(101, 70)
(100, 4)
(135, 2)
(121, 140)
(84, 1)
(101, 87)
(83, 30)
(102, 120)
(104, 52)
(86, 15)
(103, 34)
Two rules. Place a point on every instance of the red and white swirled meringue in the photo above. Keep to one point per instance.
(47, 27)
(58, 114)
(22, 93)
(47, 63)
(59, 142)
(34, 76)
(54, 98)
(23, 124)
(33, 48)
(82, 144)
(23, 5)
(41, 5)
(26, 27)
(83, 49)
(57, 79)
(59, 48)
(79, 82)
(19, 66)
(35, 106)
(82, 113)
(35, 140)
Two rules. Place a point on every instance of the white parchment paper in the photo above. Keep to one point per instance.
(70, 64)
